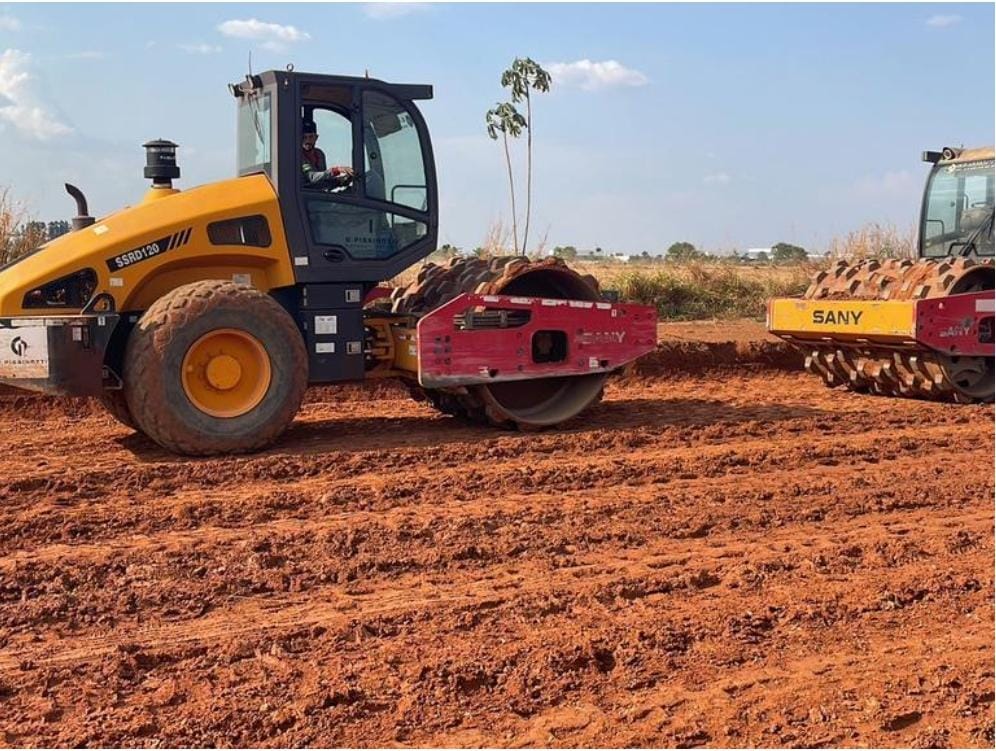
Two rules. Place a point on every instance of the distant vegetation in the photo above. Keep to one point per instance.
(677, 253)
(18, 235)
(875, 241)
(522, 78)
(696, 289)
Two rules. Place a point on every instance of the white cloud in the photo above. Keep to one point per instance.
(590, 75)
(9, 23)
(942, 21)
(720, 178)
(86, 55)
(21, 106)
(200, 48)
(272, 36)
(387, 11)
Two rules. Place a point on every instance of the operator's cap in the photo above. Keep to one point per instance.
(310, 127)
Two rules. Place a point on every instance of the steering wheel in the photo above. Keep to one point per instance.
(338, 187)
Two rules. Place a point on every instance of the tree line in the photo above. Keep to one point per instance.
(684, 252)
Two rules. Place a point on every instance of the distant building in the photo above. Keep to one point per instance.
(756, 254)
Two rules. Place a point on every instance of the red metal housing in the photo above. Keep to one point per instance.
(957, 324)
(480, 339)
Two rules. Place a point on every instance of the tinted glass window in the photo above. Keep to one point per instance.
(247, 230)
(254, 135)
(363, 233)
(335, 137)
(959, 202)
(394, 168)
(71, 291)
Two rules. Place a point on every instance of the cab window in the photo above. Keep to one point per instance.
(362, 232)
(335, 136)
(395, 171)
(360, 219)
(959, 202)
(254, 135)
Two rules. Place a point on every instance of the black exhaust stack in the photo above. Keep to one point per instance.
(82, 218)
(160, 163)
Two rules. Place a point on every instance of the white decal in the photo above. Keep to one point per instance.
(324, 348)
(24, 352)
(139, 254)
(326, 325)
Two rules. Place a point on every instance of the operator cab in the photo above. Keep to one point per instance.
(957, 215)
(366, 229)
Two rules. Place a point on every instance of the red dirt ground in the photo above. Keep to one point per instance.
(729, 558)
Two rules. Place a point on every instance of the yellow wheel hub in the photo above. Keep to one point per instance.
(223, 372)
(226, 373)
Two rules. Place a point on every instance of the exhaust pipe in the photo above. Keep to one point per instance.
(82, 218)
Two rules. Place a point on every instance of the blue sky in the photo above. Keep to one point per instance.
(730, 126)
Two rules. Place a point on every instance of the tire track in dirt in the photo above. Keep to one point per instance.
(744, 559)
(368, 489)
(596, 656)
(680, 500)
(659, 567)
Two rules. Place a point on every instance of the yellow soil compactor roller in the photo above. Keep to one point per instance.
(920, 328)
(200, 316)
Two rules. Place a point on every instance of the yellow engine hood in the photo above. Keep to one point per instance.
(143, 251)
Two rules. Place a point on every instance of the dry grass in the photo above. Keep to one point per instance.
(689, 291)
(720, 289)
(16, 237)
(875, 241)
(705, 290)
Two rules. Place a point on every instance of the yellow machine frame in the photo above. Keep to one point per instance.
(137, 286)
(873, 321)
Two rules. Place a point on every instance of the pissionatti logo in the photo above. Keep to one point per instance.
(18, 346)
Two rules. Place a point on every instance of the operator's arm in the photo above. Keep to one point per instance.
(336, 176)
(314, 176)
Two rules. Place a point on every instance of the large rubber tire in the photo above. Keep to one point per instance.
(116, 404)
(153, 362)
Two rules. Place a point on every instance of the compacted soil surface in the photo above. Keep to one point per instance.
(727, 557)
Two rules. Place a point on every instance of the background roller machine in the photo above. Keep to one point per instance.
(199, 317)
(919, 328)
